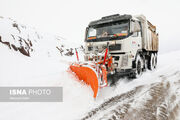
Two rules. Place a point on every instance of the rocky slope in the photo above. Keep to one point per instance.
(29, 41)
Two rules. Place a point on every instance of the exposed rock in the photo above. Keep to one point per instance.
(6, 43)
(14, 47)
(23, 51)
(16, 26)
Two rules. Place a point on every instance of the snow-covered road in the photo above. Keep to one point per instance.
(154, 96)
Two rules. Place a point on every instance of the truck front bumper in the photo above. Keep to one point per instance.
(124, 72)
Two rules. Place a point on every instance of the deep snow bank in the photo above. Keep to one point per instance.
(77, 97)
(47, 65)
(18, 70)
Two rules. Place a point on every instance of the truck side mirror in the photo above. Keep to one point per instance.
(86, 34)
(135, 27)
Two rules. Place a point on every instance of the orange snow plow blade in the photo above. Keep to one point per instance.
(87, 74)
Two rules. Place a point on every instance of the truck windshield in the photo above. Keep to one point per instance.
(110, 30)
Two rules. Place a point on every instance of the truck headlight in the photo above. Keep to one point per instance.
(124, 61)
(113, 42)
(88, 44)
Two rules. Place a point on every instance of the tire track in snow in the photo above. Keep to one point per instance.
(157, 101)
(112, 103)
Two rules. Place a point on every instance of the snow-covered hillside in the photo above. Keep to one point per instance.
(157, 90)
(46, 65)
(30, 42)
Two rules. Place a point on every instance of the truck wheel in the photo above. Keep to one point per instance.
(139, 67)
(151, 62)
(146, 64)
(155, 60)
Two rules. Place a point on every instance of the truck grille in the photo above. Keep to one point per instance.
(116, 58)
(115, 47)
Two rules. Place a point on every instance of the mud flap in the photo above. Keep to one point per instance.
(87, 74)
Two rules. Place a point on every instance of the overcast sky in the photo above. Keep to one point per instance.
(69, 18)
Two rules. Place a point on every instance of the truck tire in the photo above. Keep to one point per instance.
(146, 64)
(151, 63)
(155, 60)
(138, 68)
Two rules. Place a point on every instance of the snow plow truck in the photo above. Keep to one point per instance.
(117, 45)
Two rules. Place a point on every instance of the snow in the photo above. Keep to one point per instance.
(46, 67)
(17, 70)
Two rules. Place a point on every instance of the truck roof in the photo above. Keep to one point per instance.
(111, 18)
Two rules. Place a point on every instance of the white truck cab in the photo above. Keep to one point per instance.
(132, 42)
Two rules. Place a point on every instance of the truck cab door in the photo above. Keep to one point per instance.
(136, 35)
